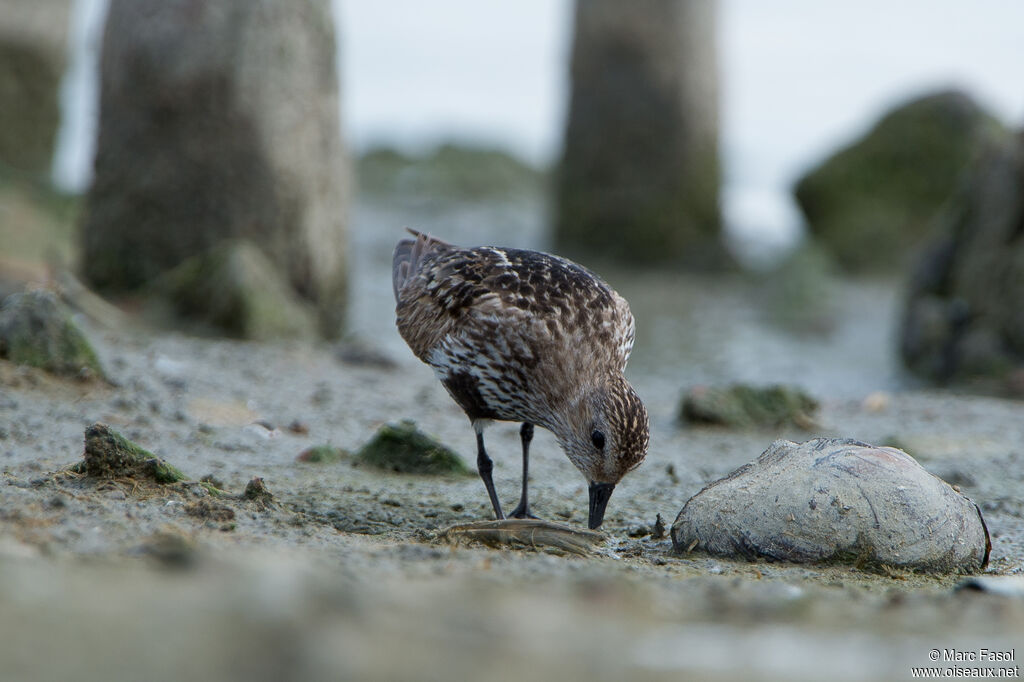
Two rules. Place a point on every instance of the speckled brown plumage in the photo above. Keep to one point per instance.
(519, 335)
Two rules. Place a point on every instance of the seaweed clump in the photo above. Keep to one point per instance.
(405, 449)
(744, 406)
(108, 454)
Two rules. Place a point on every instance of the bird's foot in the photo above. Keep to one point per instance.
(522, 511)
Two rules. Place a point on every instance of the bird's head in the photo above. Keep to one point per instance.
(606, 437)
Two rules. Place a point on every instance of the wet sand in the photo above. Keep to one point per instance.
(344, 577)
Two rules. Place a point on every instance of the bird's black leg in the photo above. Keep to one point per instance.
(484, 465)
(522, 510)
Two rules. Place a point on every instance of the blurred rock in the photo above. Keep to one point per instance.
(36, 231)
(234, 288)
(219, 120)
(640, 173)
(871, 203)
(36, 330)
(999, 585)
(171, 547)
(744, 406)
(33, 53)
(836, 500)
(964, 316)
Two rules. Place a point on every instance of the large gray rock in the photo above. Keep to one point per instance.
(870, 204)
(33, 54)
(639, 177)
(219, 120)
(836, 500)
(964, 315)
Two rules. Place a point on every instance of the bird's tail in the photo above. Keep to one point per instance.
(409, 255)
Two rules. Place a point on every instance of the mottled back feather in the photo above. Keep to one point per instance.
(440, 289)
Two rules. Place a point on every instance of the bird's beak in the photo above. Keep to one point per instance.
(600, 493)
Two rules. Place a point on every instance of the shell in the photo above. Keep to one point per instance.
(836, 500)
(535, 533)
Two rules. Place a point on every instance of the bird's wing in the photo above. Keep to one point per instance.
(564, 305)
(548, 301)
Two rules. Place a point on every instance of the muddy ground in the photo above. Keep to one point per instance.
(342, 577)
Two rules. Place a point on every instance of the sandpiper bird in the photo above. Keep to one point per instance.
(517, 335)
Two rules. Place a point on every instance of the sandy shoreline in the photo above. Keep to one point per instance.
(341, 533)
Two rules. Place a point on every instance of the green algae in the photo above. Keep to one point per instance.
(405, 449)
(108, 454)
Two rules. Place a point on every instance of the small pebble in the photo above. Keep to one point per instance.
(659, 528)
(263, 429)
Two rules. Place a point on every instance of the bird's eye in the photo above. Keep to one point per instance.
(598, 439)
